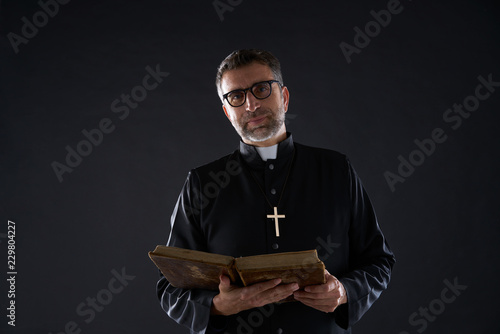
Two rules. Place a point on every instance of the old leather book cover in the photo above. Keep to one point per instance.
(185, 268)
(188, 269)
(304, 268)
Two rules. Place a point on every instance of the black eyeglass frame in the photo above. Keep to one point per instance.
(270, 82)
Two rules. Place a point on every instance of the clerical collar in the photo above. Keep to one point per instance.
(251, 155)
(269, 152)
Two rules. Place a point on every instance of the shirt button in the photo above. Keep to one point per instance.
(273, 191)
(271, 166)
(276, 246)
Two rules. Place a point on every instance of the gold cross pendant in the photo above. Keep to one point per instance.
(275, 217)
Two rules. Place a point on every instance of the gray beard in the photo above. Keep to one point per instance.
(264, 132)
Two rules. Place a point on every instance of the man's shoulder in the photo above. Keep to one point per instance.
(229, 162)
(312, 152)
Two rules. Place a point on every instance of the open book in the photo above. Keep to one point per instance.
(188, 269)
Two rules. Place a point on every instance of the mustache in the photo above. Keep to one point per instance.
(258, 113)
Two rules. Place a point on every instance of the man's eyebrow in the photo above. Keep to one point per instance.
(256, 82)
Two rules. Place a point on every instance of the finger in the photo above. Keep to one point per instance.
(257, 288)
(278, 293)
(330, 285)
(225, 283)
(320, 288)
(316, 300)
(323, 308)
(309, 295)
(335, 299)
(286, 289)
(267, 296)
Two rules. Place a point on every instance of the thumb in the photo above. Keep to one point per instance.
(225, 283)
(329, 277)
(327, 273)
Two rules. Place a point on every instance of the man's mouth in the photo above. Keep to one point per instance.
(256, 120)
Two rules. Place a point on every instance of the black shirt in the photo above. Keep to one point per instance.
(223, 209)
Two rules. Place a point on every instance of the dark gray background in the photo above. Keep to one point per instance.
(442, 222)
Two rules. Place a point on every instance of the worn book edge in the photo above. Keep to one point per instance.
(310, 267)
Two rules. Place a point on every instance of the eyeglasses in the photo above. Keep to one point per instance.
(261, 90)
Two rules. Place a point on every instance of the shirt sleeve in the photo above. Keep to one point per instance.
(370, 258)
(188, 307)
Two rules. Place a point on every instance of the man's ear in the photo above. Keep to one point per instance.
(286, 97)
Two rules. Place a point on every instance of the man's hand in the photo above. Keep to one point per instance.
(324, 297)
(232, 299)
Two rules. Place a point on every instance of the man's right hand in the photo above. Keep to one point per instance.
(233, 299)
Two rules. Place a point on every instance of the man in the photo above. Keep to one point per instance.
(274, 195)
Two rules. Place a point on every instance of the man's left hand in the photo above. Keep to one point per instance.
(324, 297)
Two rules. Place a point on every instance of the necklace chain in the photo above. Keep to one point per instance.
(284, 185)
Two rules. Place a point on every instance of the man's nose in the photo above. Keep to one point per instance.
(252, 102)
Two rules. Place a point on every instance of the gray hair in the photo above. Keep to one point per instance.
(240, 58)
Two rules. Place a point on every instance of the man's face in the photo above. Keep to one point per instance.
(258, 122)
